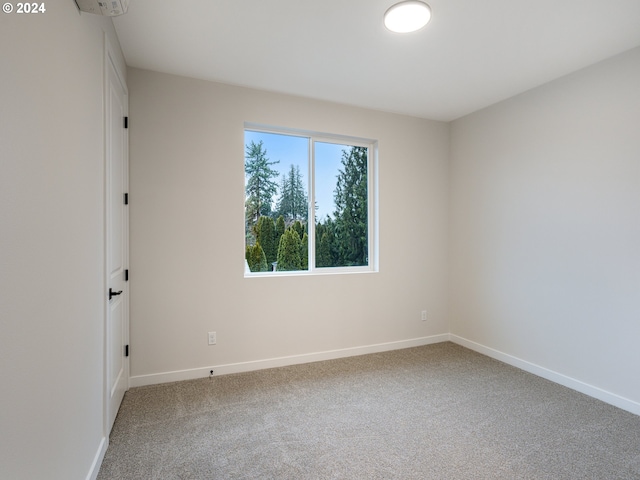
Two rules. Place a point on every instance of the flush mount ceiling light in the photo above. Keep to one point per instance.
(409, 16)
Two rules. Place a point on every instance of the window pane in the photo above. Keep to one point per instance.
(341, 195)
(276, 201)
(295, 221)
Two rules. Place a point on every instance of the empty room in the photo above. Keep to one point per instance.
(291, 239)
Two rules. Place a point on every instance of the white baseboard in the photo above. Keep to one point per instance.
(191, 374)
(595, 392)
(194, 373)
(97, 460)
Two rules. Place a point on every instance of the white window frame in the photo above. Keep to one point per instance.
(372, 200)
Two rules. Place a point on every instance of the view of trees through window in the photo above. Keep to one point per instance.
(279, 219)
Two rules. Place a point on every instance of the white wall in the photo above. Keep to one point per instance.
(51, 242)
(187, 234)
(545, 218)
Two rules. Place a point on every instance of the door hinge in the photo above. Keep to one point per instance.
(126, 350)
(126, 199)
(126, 122)
(126, 275)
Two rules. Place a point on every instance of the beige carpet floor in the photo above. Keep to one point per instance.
(434, 412)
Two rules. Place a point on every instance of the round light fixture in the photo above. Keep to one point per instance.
(406, 17)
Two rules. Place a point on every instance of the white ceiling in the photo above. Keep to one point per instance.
(472, 54)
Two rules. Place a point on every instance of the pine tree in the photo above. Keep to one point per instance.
(289, 251)
(260, 187)
(350, 198)
(293, 203)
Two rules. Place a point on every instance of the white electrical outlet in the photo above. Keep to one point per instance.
(212, 338)
(423, 316)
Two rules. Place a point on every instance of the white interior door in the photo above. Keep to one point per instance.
(117, 242)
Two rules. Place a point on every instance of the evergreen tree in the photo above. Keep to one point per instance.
(289, 251)
(350, 198)
(266, 235)
(298, 227)
(256, 258)
(323, 252)
(304, 252)
(260, 187)
(280, 228)
(293, 203)
(326, 249)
